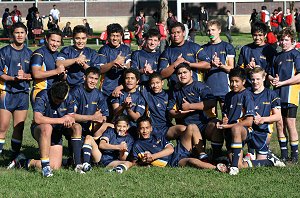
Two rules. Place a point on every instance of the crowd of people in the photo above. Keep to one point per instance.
(130, 119)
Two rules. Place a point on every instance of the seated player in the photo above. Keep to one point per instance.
(222, 56)
(189, 101)
(42, 63)
(155, 150)
(53, 114)
(113, 148)
(14, 87)
(286, 79)
(130, 102)
(146, 59)
(90, 111)
(77, 58)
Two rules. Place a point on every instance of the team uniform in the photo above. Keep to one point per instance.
(45, 59)
(87, 103)
(193, 93)
(75, 72)
(156, 109)
(44, 105)
(140, 57)
(14, 94)
(190, 51)
(109, 156)
(112, 78)
(224, 51)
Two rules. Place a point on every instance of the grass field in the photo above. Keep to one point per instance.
(148, 182)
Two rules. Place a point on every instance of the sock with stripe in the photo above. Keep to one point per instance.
(45, 162)
(294, 150)
(216, 149)
(258, 163)
(15, 147)
(2, 142)
(76, 146)
(283, 142)
(236, 148)
(87, 150)
(121, 168)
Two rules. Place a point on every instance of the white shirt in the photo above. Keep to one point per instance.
(55, 13)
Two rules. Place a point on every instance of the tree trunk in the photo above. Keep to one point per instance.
(163, 10)
(292, 6)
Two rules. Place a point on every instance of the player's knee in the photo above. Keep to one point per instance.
(88, 139)
(236, 130)
(45, 130)
(77, 130)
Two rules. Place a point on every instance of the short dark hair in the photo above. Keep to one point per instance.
(177, 24)
(18, 25)
(93, 70)
(79, 29)
(152, 33)
(183, 65)
(133, 71)
(6, 10)
(259, 27)
(155, 75)
(59, 90)
(120, 118)
(143, 119)
(114, 28)
(54, 31)
(238, 72)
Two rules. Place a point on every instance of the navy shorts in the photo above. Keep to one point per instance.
(14, 101)
(107, 159)
(56, 137)
(288, 110)
(180, 152)
(220, 98)
(258, 142)
(228, 138)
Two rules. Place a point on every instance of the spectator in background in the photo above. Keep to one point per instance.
(191, 26)
(51, 23)
(274, 21)
(253, 17)
(171, 19)
(203, 18)
(4, 21)
(297, 24)
(161, 26)
(30, 16)
(139, 26)
(55, 14)
(67, 30)
(37, 26)
(229, 25)
(288, 17)
(17, 15)
(88, 27)
(127, 37)
(265, 15)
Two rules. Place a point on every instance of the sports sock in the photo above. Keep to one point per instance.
(76, 145)
(2, 142)
(45, 162)
(294, 150)
(216, 149)
(16, 146)
(283, 142)
(257, 163)
(86, 149)
(121, 168)
(236, 148)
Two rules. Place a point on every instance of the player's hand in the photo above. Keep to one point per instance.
(97, 116)
(258, 120)
(179, 60)
(225, 119)
(275, 80)
(68, 121)
(147, 68)
(128, 101)
(117, 92)
(185, 105)
(252, 64)
(216, 61)
(60, 69)
(123, 146)
(81, 59)
(148, 157)
(119, 61)
(222, 126)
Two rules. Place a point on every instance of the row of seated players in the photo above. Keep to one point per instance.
(113, 59)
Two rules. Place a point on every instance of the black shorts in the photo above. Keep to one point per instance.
(289, 110)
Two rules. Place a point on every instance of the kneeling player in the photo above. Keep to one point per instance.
(115, 145)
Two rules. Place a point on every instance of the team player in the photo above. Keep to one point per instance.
(286, 78)
(14, 87)
(112, 150)
(155, 150)
(77, 58)
(146, 59)
(222, 56)
(42, 62)
(181, 51)
(130, 102)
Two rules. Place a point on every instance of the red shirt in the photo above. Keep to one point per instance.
(289, 19)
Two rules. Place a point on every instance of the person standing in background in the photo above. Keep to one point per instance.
(253, 17)
(203, 18)
(229, 24)
(55, 14)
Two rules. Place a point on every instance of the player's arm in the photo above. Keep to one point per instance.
(38, 73)
(133, 115)
(203, 60)
(203, 105)
(6, 77)
(168, 150)
(118, 109)
(229, 64)
(39, 118)
(201, 65)
(274, 117)
(105, 145)
(291, 81)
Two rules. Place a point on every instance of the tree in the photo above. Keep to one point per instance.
(292, 6)
(164, 10)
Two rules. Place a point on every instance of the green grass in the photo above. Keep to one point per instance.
(148, 182)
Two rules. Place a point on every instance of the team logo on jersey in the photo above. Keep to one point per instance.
(239, 104)
(289, 60)
(55, 113)
(222, 52)
(256, 107)
(231, 106)
(62, 109)
(266, 103)
(26, 61)
(190, 94)
(263, 57)
(158, 105)
(86, 106)
(94, 103)
(166, 102)
(280, 63)
(158, 141)
(190, 54)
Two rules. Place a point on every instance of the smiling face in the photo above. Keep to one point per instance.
(286, 43)
(177, 36)
(257, 80)
(156, 85)
(145, 129)
(19, 36)
(91, 81)
(152, 43)
(80, 40)
(259, 38)
(54, 42)
(237, 84)
(115, 39)
(184, 76)
(121, 127)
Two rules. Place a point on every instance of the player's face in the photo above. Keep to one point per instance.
(115, 39)
(122, 128)
(145, 130)
(257, 80)
(237, 84)
(130, 81)
(152, 43)
(184, 76)
(156, 85)
(286, 43)
(19, 35)
(177, 36)
(54, 42)
(213, 32)
(80, 40)
(259, 38)
(91, 80)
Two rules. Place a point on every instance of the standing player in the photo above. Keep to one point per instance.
(42, 63)
(222, 56)
(286, 78)
(14, 87)
(182, 51)
(77, 58)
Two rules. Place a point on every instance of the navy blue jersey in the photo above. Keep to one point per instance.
(154, 144)
(264, 103)
(76, 72)
(263, 55)
(238, 106)
(190, 51)
(193, 93)
(11, 61)
(88, 102)
(44, 105)
(287, 65)
(215, 78)
(45, 59)
(138, 61)
(138, 103)
(156, 107)
(112, 78)
(111, 136)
